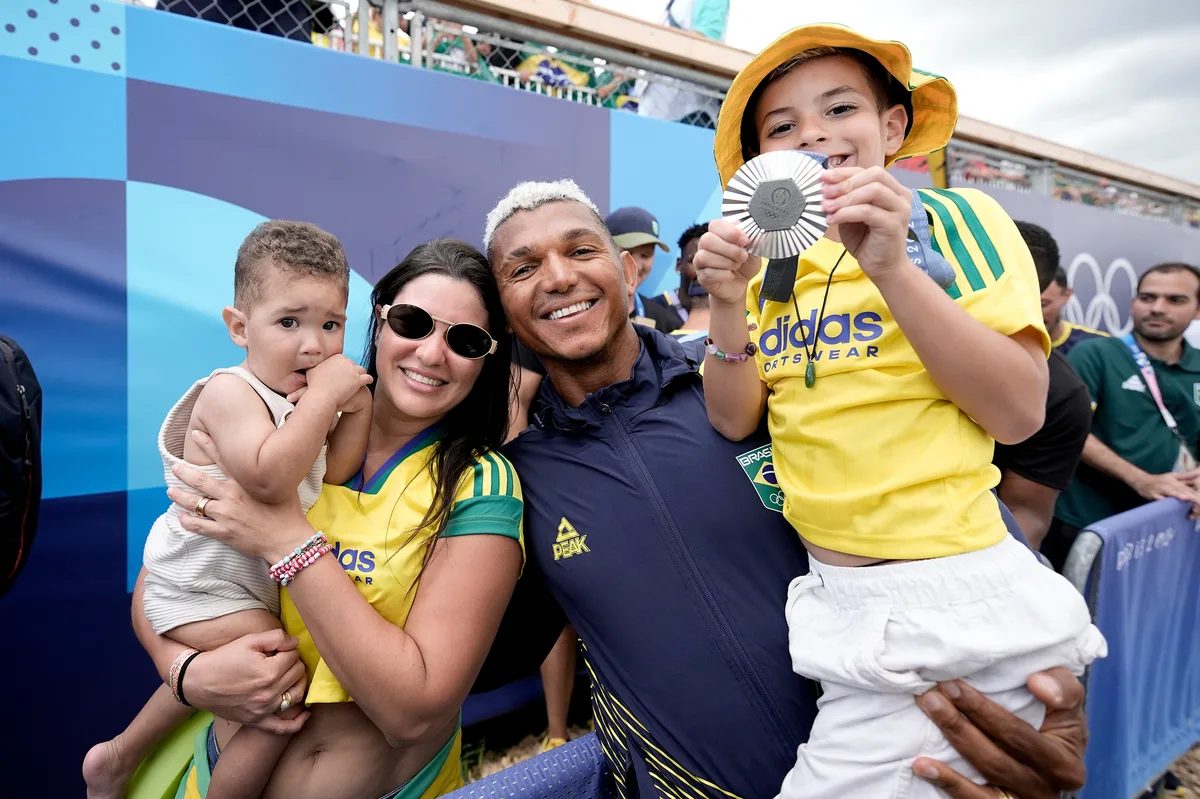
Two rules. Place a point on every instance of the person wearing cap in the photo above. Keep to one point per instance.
(633, 504)
(635, 230)
(885, 395)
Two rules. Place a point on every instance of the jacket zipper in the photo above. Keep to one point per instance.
(710, 604)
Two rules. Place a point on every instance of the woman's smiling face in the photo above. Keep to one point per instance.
(424, 379)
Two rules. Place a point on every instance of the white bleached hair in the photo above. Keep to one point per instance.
(529, 196)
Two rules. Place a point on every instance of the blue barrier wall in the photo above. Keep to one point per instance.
(1144, 698)
(138, 149)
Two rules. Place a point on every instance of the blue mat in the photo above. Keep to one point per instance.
(575, 770)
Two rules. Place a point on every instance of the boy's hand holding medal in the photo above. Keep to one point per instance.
(872, 211)
(723, 265)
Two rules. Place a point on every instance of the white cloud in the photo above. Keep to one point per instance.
(1112, 77)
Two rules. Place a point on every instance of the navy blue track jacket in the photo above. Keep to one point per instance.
(663, 543)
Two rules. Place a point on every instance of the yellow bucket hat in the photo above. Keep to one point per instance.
(934, 104)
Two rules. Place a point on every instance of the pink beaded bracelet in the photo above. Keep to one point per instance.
(296, 565)
(315, 541)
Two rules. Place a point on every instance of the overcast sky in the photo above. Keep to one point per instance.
(1116, 77)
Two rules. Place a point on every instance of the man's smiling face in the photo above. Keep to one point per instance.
(564, 285)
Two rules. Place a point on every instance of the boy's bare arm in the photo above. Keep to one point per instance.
(733, 392)
(999, 381)
(348, 441)
(269, 463)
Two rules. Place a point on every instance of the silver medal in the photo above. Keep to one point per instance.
(776, 199)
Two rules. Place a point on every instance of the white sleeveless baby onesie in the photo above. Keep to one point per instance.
(192, 578)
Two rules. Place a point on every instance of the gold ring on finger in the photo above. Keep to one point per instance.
(1003, 794)
(201, 505)
(285, 702)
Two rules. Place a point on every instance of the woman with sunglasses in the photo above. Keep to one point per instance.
(395, 582)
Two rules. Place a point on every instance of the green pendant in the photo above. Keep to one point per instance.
(810, 375)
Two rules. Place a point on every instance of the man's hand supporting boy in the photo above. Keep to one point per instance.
(1028, 763)
(999, 381)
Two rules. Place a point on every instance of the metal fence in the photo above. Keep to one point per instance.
(1075, 186)
(974, 165)
(433, 35)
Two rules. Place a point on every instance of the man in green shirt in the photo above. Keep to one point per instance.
(1132, 455)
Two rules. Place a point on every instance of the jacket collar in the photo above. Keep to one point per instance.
(661, 361)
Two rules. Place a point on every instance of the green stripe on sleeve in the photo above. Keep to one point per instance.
(495, 484)
(953, 290)
(477, 487)
(511, 477)
(957, 247)
(489, 515)
(977, 230)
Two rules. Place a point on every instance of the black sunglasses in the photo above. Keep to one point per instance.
(415, 323)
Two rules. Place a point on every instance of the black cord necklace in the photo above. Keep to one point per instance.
(810, 370)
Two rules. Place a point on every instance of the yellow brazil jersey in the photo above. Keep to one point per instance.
(372, 527)
(874, 460)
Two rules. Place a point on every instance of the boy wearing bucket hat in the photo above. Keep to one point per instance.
(885, 394)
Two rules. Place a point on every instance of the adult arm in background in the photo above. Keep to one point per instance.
(532, 623)
(527, 383)
(527, 375)
(1087, 359)
(411, 680)
(1035, 471)
(241, 681)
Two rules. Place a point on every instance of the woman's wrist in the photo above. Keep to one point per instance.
(288, 540)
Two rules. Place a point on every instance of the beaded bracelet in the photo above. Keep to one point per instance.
(177, 666)
(314, 541)
(733, 357)
(304, 561)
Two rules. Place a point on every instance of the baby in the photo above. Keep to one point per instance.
(295, 413)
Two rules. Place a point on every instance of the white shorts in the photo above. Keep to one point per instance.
(877, 635)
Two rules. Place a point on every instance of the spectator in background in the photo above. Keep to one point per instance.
(1063, 334)
(635, 230)
(1146, 419)
(680, 301)
(1035, 471)
(1044, 249)
(707, 18)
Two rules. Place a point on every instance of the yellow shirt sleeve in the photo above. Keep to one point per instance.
(489, 501)
(995, 279)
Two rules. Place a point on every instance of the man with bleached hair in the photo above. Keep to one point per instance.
(663, 543)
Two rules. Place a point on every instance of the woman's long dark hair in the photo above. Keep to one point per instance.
(479, 423)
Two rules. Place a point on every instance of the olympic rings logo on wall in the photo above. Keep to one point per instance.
(1102, 311)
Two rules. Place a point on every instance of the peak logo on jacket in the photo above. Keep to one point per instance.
(569, 543)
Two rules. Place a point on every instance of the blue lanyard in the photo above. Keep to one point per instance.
(920, 248)
(639, 307)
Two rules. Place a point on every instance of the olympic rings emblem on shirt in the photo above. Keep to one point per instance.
(1102, 311)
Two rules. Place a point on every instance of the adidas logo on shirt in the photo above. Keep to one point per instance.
(569, 542)
(1134, 383)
